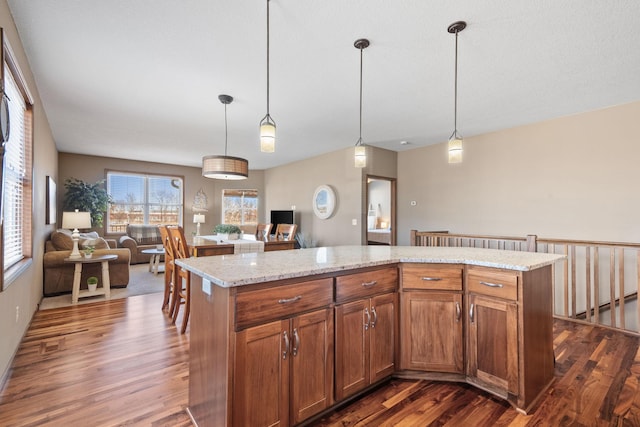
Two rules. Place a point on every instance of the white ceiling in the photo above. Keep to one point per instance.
(140, 79)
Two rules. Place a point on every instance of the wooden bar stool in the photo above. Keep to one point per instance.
(169, 270)
(182, 278)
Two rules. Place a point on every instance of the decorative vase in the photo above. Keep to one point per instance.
(86, 255)
(92, 287)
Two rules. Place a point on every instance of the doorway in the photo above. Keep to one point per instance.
(381, 210)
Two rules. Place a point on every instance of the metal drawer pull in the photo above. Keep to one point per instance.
(492, 285)
(286, 344)
(296, 342)
(375, 317)
(369, 284)
(368, 321)
(471, 313)
(458, 312)
(431, 279)
(289, 300)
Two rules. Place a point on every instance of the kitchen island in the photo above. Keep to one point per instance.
(278, 338)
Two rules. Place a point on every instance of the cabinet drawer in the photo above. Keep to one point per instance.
(491, 282)
(365, 284)
(282, 301)
(432, 277)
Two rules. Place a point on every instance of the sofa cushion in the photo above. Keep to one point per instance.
(62, 240)
(144, 234)
(98, 243)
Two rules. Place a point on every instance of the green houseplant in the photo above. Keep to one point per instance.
(85, 197)
(228, 231)
(92, 283)
(88, 251)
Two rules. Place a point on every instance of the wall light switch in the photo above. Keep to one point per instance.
(354, 222)
(293, 207)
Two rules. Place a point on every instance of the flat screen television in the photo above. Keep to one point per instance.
(281, 217)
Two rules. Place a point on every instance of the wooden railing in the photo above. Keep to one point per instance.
(596, 283)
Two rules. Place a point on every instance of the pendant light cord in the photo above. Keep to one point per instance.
(455, 93)
(360, 139)
(225, 130)
(268, 57)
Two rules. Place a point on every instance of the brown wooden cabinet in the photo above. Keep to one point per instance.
(366, 329)
(431, 318)
(284, 370)
(510, 332)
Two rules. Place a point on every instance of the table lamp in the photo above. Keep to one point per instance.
(198, 219)
(74, 221)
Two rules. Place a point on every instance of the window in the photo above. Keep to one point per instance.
(143, 199)
(17, 179)
(240, 207)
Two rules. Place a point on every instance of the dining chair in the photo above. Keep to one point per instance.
(286, 231)
(182, 278)
(169, 269)
(262, 231)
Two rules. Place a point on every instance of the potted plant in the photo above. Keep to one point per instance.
(227, 231)
(88, 251)
(92, 198)
(92, 283)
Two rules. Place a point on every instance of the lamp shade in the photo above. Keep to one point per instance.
(360, 157)
(76, 220)
(267, 136)
(455, 149)
(225, 167)
(198, 218)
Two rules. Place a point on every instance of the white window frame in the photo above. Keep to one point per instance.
(145, 203)
(242, 214)
(17, 177)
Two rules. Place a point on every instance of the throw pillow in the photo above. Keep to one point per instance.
(62, 240)
(98, 243)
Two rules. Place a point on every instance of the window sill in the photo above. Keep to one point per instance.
(13, 272)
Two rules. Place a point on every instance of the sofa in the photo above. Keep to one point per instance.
(58, 275)
(138, 238)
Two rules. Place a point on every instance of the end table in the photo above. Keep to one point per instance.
(77, 273)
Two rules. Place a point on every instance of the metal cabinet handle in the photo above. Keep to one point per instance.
(285, 337)
(375, 317)
(368, 321)
(290, 300)
(458, 312)
(432, 279)
(296, 342)
(491, 285)
(369, 284)
(471, 313)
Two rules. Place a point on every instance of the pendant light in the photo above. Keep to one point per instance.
(455, 140)
(225, 167)
(360, 152)
(267, 125)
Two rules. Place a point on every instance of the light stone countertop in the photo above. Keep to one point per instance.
(243, 269)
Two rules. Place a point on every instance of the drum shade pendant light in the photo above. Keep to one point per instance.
(455, 140)
(225, 167)
(267, 125)
(360, 152)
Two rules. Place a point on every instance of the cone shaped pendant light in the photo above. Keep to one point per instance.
(360, 152)
(267, 125)
(455, 140)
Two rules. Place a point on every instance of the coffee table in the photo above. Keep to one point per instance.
(154, 261)
(77, 273)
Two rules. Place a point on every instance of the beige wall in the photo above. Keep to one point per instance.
(573, 177)
(26, 291)
(92, 169)
(294, 185)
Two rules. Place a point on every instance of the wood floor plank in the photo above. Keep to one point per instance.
(122, 363)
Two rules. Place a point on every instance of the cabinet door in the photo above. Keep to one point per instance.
(261, 383)
(432, 337)
(493, 342)
(382, 332)
(352, 347)
(312, 364)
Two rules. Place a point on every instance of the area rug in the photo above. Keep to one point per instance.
(141, 282)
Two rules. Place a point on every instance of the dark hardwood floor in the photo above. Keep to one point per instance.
(121, 363)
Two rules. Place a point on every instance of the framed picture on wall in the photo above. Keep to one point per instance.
(51, 201)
